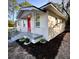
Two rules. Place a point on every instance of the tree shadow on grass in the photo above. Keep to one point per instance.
(45, 51)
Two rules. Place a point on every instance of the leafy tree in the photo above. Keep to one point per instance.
(14, 6)
(25, 4)
(66, 8)
(10, 23)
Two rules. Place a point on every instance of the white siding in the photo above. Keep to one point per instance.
(46, 26)
(24, 28)
(20, 27)
(43, 30)
(54, 27)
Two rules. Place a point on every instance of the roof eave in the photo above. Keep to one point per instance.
(21, 10)
(53, 7)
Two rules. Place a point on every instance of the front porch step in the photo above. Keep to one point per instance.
(33, 37)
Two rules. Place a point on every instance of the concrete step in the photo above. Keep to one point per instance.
(33, 37)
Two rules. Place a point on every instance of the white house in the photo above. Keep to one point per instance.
(47, 21)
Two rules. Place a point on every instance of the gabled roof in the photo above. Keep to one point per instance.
(51, 7)
(48, 4)
(29, 8)
(47, 7)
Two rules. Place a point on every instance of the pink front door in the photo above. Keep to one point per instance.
(29, 24)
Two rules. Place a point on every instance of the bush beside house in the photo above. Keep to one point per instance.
(10, 23)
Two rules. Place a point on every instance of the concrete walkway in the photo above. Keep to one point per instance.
(33, 37)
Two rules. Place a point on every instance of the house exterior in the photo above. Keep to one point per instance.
(47, 21)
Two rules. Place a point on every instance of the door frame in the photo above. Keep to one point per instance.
(29, 24)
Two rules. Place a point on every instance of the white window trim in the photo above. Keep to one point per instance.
(23, 23)
(37, 21)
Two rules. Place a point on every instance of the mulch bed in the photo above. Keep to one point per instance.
(48, 50)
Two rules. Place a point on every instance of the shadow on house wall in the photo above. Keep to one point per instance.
(45, 51)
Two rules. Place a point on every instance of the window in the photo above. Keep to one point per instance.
(18, 23)
(37, 21)
(23, 23)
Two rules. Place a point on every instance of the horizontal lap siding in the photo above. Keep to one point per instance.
(24, 28)
(20, 27)
(54, 30)
(43, 29)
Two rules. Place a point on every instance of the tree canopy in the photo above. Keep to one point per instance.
(14, 6)
(25, 4)
(10, 23)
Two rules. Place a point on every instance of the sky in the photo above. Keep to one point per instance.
(39, 3)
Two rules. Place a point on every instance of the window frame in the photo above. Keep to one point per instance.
(23, 23)
(37, 20)
(18, 23)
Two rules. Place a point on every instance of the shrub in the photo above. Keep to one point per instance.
(22, 39)
(42, 41)
(27, 40)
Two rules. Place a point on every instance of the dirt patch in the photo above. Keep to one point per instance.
(64, 50)
(57, 48)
